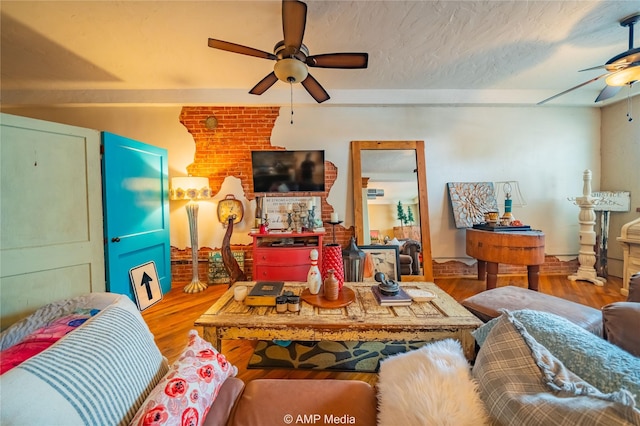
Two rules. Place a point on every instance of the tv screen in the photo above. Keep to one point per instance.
(288, 171)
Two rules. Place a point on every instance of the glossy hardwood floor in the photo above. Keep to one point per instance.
(171, 319)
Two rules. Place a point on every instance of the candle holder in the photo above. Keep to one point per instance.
(311, 218)
(333, 229)
(289, 220)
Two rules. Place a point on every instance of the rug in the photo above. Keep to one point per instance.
(362, 357)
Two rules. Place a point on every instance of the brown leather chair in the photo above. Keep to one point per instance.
(620, 319)
(410, 249)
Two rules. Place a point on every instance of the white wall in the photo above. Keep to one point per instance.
(621, 168)
(545, 148)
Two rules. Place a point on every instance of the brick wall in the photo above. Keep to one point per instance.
(226, 151)
(552, 265)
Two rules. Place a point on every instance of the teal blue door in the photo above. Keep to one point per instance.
(136, 211)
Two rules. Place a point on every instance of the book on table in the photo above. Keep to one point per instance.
(399, 299)
(264, 293)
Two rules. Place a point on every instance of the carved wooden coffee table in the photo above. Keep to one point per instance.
(362, 320)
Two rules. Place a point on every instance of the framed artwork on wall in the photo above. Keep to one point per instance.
(276, 208)
(383, 259)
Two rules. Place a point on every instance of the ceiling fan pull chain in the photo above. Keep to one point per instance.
(629, 104)
(291, 101)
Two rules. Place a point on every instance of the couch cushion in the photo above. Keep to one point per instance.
(619, 321)
(429, 386)
(309, 401)
(98, 374)
(188, 390)
(582, 352)
(489, 304)
(223, 405)
(522, 383)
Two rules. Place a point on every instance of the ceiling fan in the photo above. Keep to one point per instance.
(292, 57)
(622, 69)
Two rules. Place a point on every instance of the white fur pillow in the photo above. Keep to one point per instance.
(429, 386)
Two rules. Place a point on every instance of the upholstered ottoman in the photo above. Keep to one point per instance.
(488, 304)
(308, 401)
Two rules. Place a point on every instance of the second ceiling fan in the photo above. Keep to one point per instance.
(292, 56)
(622, 69)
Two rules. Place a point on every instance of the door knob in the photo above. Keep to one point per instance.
(115, 240)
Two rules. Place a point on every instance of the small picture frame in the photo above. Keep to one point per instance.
(378, 258)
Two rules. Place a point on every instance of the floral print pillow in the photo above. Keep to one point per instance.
(186, 392)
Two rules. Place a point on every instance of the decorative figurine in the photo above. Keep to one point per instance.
(314, 279)
(387, 287)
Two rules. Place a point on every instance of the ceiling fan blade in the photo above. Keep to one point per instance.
(314, 88)
(608, 92)
(294, 20)
(599, 67)
(237, 48)
(573, 88)
(339, 60)
(264, 84)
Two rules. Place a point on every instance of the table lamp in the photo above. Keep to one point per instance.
(509, 191)
(191, 188)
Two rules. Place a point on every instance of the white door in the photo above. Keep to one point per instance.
(51, 236)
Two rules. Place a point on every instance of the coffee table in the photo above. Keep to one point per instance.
(362, 320)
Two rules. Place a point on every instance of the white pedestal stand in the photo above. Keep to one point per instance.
(587, 221)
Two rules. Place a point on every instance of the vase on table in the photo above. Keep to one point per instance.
(331, 286)
(332, 259)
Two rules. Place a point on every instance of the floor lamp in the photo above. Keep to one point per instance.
(193, 189)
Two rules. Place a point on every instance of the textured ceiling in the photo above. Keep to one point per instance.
(420, 52)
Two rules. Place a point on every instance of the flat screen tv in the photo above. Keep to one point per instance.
(288, 171)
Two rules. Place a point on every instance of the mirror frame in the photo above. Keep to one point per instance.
(425, 233)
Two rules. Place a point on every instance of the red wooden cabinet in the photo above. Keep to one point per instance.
(284, 256)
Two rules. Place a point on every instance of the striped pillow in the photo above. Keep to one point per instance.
(99, 374)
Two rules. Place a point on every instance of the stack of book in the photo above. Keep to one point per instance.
(399, 299)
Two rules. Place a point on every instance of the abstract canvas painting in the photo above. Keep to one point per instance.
(470, 201)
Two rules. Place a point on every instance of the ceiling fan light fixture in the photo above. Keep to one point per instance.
(290, 70)
(623, 77)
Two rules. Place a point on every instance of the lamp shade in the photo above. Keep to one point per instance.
(290, 70)
(189, 188)
(509, 190)
(623, 77)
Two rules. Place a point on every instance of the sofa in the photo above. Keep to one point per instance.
(108, 370)
(611, 322)
(532, 367)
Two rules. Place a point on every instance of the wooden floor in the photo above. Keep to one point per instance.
(171, 319)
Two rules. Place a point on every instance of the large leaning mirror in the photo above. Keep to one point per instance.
(390, 177)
